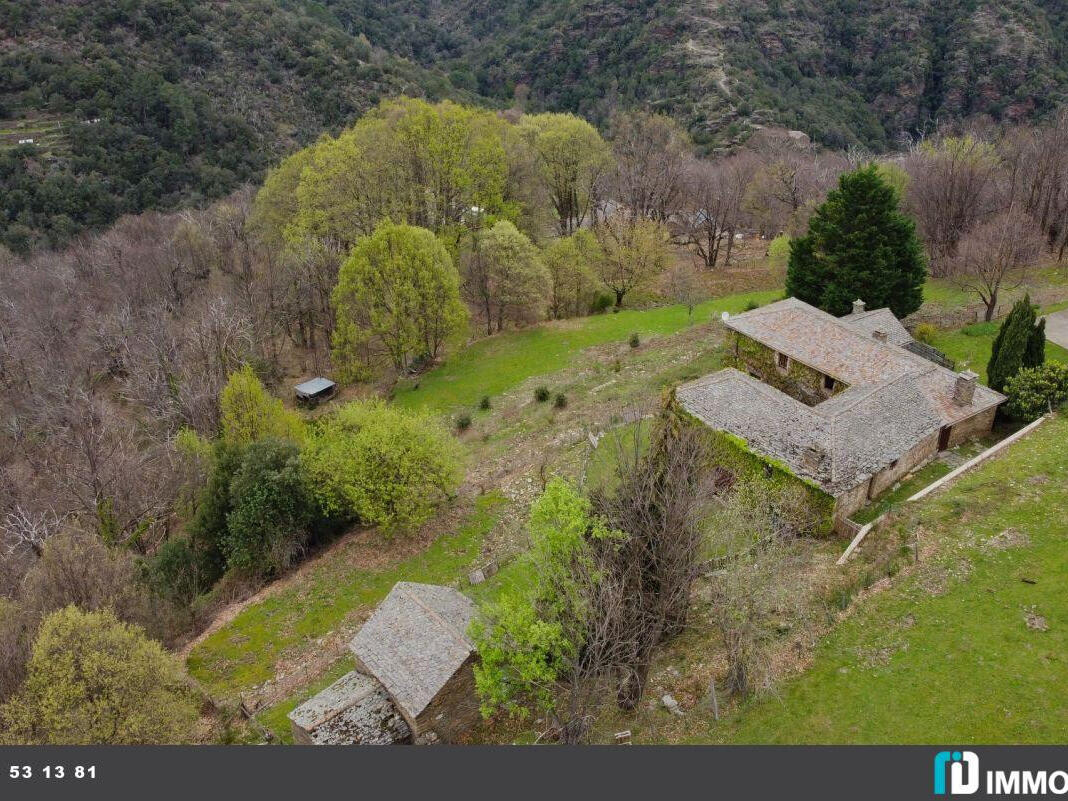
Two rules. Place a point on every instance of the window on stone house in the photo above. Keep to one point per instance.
(828, 383)
(784, 361)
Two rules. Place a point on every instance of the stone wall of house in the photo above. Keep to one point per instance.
(799, 381)
(919, 455)
(975, 426)
(851, 500)
(453, 710)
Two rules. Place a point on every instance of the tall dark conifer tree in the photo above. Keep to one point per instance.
(859, 245)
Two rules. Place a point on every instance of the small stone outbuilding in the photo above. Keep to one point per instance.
(416, 645)
(354, 709)
(414, 681)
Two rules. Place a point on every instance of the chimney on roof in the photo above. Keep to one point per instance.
(964, 389)
(879, 335)
(858, 306)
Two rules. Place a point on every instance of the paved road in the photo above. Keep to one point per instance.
(1057, 328)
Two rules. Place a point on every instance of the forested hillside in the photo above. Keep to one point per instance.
(144, 104)
(196, 97)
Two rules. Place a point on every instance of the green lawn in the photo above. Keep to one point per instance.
(970, 346)
(495, 364)
(946, 654)
(928, 474)
(243, 653)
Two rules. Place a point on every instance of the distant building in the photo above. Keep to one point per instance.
(414, 682)
(315, 391)
(844, 403)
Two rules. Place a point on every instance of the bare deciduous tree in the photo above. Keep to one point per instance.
(712, 208)
(651, 153)
(952, 187)
(997, 255)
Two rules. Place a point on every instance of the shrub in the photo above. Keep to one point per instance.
(177, 571)
(1033, 391)
(925, 332)
(541, 394)
(752, 304)
(602, 303)
(79, 568)
(560, 401)
(463, 422)
(617, 365)
(635, 340)
(271, 510)
(779, 250)
(381, 465)
(93, 680)
(250, 413)
(484, 404)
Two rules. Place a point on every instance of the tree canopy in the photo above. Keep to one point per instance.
(399, 294)
(380, 465)
(94, 680)
(858, 245)
(572, 158)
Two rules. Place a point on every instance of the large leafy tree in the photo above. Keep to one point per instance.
(506, 278)
(571, 261)
(94, 680)
(572, 158)
(859, 245)
(635, 251)
(381, 465)
(398, 293)
(428, 165)
(1020, 343)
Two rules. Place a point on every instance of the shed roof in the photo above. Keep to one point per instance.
(314, 386)
(415, 641)
(354, 709)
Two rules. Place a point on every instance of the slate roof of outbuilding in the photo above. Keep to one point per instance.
(415, 641)
(893, 401)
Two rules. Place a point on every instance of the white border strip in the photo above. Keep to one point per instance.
(982, 457)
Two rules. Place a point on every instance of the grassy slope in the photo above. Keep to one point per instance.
(915, 666)
(244, 652)
(495, 364)
(970, 346)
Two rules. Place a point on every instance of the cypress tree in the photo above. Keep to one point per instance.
(1036, 346)
(859, 245)
(1012, 343)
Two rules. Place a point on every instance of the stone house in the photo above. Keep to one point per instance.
(848, 404)
(414, 680)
